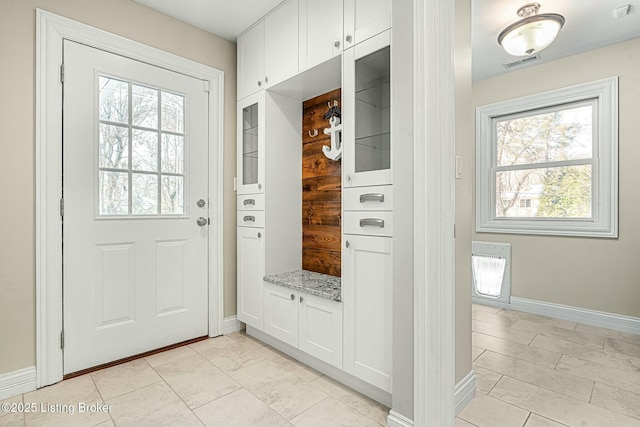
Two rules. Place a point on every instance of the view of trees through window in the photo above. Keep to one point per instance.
(141, 149)
(544, 162)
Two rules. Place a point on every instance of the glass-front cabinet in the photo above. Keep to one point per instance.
(367, 113)
(251, 123)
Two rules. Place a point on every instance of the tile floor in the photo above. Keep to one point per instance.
(531, 371)
(535, 371)
(226, 381)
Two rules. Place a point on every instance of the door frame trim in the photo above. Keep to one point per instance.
(51, 30)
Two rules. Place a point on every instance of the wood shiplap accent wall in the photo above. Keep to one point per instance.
(321, 191)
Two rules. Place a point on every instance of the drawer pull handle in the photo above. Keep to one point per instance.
(372, 197)
(249, 202)
(249, 218)
(372, 221)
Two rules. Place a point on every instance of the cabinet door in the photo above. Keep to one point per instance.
(250, 274)
(366, 113)
(281, 43)
(367, 302)
(281, 313)
(320, 334)
(251, 128)
(250, 52)
(320, 25)
(364, 19)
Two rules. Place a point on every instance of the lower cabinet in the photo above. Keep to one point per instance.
(308, 322)
(250, 274)
(367, 292)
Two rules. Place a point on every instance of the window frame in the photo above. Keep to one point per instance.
(604, 215)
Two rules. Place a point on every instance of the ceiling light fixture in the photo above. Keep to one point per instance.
(532, 33)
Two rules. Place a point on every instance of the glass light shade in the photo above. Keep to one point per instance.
(530, 35)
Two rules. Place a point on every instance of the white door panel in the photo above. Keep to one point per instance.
(135, 162)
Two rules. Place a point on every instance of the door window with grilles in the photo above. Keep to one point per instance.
(141, 149)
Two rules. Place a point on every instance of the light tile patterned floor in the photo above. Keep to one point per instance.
(226, 381)
(535, 371)
(531, 371)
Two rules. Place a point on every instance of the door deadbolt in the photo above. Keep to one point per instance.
(202, 221)
(201, 203)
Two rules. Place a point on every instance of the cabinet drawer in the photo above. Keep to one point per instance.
(368, 198)
(251, 202)
(250, 219)
(372, 223)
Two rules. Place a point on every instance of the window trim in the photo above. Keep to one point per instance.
(604, 221)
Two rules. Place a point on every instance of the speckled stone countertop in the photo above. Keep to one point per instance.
(321, 285)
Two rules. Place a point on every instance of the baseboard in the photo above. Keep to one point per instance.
(396, 420)
(327, 369)
(602, 319)
(465, 391)
(490, 303)
(231, 325)
(17, 382)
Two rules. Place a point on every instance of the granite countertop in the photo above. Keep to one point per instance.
(321, 285)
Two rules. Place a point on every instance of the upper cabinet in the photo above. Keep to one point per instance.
(320, 31)
(251, 127)
(251, 61)
(281, 43)
(268, 52)
(367, 113)
(364, 19)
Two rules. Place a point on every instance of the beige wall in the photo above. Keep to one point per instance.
(596, 274)
(464, 213)
(17, 145)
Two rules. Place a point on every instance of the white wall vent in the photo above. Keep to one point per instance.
(491, 272)
(522, 61)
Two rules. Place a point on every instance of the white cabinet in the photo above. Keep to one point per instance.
(268, 52)
(366, 113)
(367, 291)
(250, 53)
(281, 43)
(251, 137)
(281, 313)
(250, 273)
(320, 31)
(364, 19)
(308, 322)
(320, 328)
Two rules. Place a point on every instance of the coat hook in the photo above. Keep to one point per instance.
(329, 104)
(314, 134)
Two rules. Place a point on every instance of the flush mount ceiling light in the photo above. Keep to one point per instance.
(532, 33)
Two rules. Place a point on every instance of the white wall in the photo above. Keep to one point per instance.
(17, 118)
(596, 274)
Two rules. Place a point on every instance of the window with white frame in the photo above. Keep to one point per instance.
(547, 163)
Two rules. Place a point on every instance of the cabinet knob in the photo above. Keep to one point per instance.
(349, 179)
(336, 43)
(259, 83)
(348, 244)
(293, 297)
(259, 235)
(259, 186)
(301, 300)
(266, 79)
(349, 38)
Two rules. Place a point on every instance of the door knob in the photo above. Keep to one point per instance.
(349, 38)
(202, 221)
(336, 43)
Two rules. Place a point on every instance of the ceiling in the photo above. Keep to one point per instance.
(224, 18)
(589, 24)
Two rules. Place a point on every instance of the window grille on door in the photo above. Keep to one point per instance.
(141, 149)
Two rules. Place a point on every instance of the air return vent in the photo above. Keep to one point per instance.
(522, 61)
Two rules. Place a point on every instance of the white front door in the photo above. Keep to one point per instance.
(135, 167)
